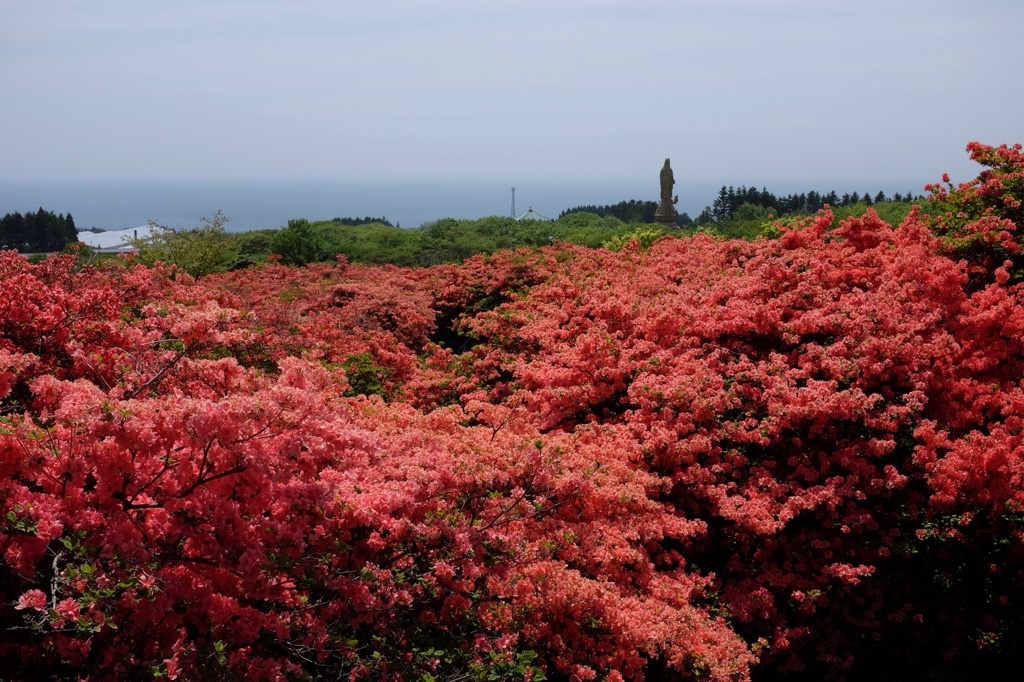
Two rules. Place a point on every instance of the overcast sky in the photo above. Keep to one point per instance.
(753, 90)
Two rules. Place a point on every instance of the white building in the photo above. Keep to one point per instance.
(115, 241)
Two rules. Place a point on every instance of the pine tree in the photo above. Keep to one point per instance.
(720, 208)
(813, 201)
(41, 231)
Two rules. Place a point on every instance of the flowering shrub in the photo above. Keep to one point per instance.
(979, 220)
(685, 459)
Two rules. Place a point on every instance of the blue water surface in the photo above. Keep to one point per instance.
(258, 205)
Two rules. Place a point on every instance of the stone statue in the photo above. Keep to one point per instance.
(666, 211)
(667, 181)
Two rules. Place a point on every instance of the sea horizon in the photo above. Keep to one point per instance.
(252, 205)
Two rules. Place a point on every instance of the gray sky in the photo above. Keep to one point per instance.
(531, 89)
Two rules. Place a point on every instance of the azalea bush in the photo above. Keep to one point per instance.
(979, 220)
(679, 459)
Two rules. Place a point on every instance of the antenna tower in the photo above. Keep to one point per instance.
(513, 203)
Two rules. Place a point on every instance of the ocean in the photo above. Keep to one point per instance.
(264, 204)
(258, 205)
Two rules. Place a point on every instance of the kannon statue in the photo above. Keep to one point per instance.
(666, 211)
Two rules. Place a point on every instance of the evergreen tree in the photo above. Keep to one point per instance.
(41, 231)
(720, 209)
(813, 201)
(361, 221)
(632, 211)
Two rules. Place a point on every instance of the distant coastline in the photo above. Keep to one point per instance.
(264, 204)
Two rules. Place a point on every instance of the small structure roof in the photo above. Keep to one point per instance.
(115, 241)
(533, 215)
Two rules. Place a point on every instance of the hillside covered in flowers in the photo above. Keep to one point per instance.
(789, 458)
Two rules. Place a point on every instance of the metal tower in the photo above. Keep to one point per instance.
(513, 203)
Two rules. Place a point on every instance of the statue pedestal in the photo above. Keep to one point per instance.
(665, 213)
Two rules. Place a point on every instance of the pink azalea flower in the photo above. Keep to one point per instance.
(33, 599)
(68, 608)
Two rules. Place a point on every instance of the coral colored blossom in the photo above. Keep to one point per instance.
(33, 599)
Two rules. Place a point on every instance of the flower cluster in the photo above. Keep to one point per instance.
(691, 459)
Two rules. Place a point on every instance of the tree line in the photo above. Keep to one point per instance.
(745, 213)
(42, 231)
(731, 198)
(353, 222)
(632, 211)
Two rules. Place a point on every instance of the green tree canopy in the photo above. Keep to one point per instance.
(299, 243)
(42, 231)
(199, 251)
